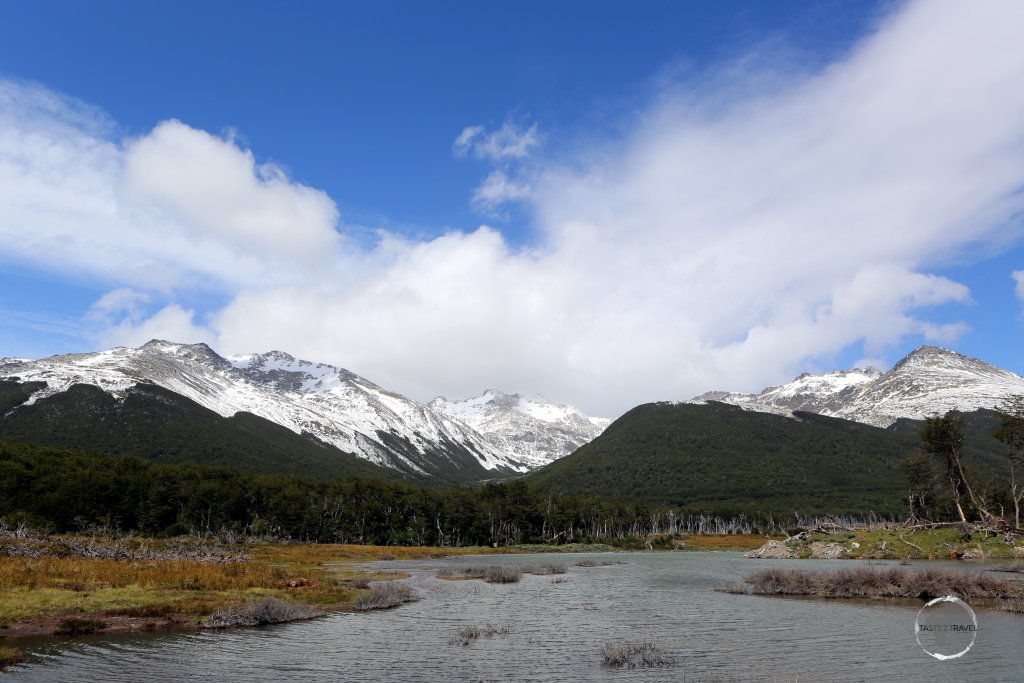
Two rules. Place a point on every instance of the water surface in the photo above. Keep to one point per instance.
(557, 630)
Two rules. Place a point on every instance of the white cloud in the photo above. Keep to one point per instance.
(172, 322)
(120, 304)
(1018, 277)
(718, 245)
(174, 208)
(497, 189)
(510, 142)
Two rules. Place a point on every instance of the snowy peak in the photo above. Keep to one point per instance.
(284, 372)
(330, 403)
(532, 428)
(931, 381)
(928, 381)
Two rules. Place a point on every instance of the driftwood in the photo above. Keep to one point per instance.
(912, 545)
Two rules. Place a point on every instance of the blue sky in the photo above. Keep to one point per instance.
(677, 196)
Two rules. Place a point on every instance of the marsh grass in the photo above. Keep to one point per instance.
(503, 574)
(258, 613)
(9, 656)
(545, 569)
(892, 582)
(632, 655)
(44, 585)
(467, 635)
(599, 563)
(385, 596)
(491, 574)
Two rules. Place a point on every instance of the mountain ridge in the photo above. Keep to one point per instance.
(929, 380)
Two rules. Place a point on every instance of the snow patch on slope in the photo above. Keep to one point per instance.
(533, 429)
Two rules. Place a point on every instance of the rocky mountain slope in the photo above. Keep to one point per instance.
(332, 404)
(927, 381)
(529, 428)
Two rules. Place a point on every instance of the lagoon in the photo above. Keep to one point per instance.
(557, 626)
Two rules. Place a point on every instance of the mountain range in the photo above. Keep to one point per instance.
(928, 381)
(330, 405)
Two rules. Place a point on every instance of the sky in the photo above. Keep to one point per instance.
(607, 204)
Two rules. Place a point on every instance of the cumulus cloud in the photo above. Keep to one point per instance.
(167, 210)
(511, 141)
(725, 242)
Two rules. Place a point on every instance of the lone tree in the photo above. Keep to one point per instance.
(944, 438)
(1011, 432)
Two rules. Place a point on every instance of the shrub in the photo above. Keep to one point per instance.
(386, 596)
(266, 611)
(503, 574)
(632, 655)
(468, 634)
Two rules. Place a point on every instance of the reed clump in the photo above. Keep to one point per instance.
(467, 635)
(259, 613)
(598, 563)
(632, 655)
(545, 569)
(491, 574)
(892, 582)
(503, 574)
(385, 596)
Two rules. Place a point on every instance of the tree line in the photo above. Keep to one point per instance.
(63, 490)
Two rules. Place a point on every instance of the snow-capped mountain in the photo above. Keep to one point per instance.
(333, 404)
(928, 381)
(531, 429)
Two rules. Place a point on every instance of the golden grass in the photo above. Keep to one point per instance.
(327, 576)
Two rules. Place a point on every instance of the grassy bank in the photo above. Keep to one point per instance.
(44, 594)
(897, 543)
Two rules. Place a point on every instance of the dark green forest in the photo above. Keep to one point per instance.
(63, 490)
(723, 460)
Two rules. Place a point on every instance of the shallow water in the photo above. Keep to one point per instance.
(557, 630)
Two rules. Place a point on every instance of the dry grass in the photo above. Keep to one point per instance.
(633, 655)
(470, 634)
(491, 573)
(313, 574)
(893, 582)
(259, 613)
(599, 563)
(1014, 605)
(386, 596)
